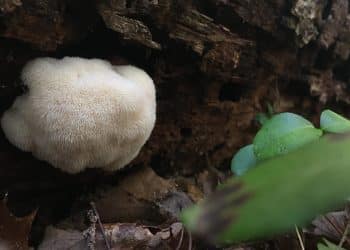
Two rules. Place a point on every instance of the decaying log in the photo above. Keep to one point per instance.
(216, 64)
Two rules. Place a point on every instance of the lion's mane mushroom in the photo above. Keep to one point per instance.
(81, 113)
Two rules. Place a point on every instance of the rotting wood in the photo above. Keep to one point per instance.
(216, 64)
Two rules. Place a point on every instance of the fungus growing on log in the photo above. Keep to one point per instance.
(82, 113)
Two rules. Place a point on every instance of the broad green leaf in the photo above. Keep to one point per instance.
(283, 133)
(332, 122)
(243, 160)
(328, 246)
(276, 195)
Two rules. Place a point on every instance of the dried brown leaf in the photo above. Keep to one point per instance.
(331, 225)
(121, 236)
(143, 195)
(14, 232)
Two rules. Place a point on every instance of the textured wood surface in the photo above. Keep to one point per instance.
(216, 64)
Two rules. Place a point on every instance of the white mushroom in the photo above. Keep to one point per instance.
(82, 113)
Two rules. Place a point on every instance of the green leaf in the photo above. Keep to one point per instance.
(328, 246)
(283, 133)
(276, 195)
(262, 118)
(243, 160)
(270, 109)
(332, 122)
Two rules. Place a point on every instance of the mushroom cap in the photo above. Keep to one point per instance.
(81, 113)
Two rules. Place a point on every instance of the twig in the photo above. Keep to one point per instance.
(181, 239)
(189, 241)
(345, 235)
(6, 195)
(92, 204)
(302, 247)
(90, 233)
(210, 167)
